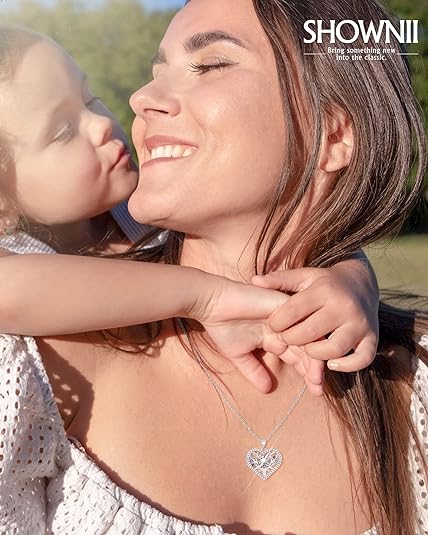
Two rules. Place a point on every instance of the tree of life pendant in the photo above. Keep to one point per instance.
(264, 462)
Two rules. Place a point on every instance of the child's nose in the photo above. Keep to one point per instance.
(100, 130)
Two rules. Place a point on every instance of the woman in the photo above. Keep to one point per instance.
(240, 97)
(341, 190)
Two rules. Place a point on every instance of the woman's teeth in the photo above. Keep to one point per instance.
(172, 151)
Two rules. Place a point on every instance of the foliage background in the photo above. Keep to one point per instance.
(113, 42)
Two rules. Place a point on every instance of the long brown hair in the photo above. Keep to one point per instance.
(370, 201)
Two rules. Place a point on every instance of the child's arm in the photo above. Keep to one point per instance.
(48, 295)
(333, 313)
(45, 294)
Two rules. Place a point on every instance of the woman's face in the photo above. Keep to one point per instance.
(209, 129)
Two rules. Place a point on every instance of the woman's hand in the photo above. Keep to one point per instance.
(333, 313)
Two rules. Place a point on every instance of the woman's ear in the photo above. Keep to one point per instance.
(337, 141)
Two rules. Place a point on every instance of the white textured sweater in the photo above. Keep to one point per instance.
(48, 485)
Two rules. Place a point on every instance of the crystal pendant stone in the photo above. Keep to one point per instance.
(264, 462)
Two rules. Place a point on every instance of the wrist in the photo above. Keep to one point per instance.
(359, 269)
(199, 294)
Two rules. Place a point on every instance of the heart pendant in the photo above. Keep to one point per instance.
(264, 462)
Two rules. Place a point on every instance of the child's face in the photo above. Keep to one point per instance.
(71, 155)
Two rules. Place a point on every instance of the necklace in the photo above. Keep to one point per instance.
(264, 462)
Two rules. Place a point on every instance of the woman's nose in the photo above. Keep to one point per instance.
(152, 101)
(100, 129)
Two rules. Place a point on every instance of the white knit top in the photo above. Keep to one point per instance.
(48, 485)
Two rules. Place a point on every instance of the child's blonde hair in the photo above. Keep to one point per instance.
(14, 42)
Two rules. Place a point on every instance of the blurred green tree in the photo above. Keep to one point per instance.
(114, 43)
(406, 9)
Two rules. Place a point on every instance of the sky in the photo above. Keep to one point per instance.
(162, 4)
(151, 4)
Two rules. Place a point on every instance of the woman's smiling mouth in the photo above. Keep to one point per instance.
(171, 151)
(166, 148)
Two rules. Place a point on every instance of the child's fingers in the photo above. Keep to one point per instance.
(273, 343)
(297, 308)
(313, 328)
(315, 372)
(253, 370)
(314, 376)
(300, 368)
(289, 356)
(337, 345)
(362, 357)
(311, 371)
(292, 280)
(315, 390)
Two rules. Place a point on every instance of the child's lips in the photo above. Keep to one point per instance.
(123, 155)
(123, 159)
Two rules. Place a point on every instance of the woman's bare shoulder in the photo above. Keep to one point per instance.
(70, 362)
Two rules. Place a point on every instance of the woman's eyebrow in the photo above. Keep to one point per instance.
(200, 41)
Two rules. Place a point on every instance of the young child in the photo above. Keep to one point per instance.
(65, 163)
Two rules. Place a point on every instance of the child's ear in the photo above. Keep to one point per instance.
(337, 142)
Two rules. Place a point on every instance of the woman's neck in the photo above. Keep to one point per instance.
(226, 258)
(224, 248)
(230, 249)
(231, 253)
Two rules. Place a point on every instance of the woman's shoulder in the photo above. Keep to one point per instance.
(31, 436)
(20, 362)
(421, 377)
(424, 341)
(419, 413)
(419, 401)
(31, 427)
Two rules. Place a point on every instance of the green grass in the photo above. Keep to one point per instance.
(402, 264)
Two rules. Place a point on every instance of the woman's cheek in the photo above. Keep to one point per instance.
(137, 135)
(252, 110)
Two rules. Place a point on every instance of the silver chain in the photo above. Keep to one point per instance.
(224, 397)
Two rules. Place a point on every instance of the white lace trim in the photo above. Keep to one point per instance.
(22, 243)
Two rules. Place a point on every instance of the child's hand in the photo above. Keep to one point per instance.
(235, 316)
(310, 369)
(333, 313)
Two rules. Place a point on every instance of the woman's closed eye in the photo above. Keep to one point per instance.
(203, 68)
(65, 134)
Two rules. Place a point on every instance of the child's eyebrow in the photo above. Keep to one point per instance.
(198, 42)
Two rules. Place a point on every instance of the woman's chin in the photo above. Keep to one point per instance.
(143, 211)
